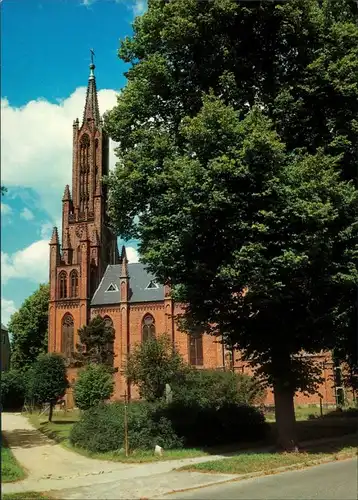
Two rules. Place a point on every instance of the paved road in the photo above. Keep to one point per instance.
(332, 481)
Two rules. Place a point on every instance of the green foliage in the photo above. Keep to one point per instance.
(94, 385)
(153, 364)
(47, 380)
(28, 327)
(209, 424)
(238, 126)
(13, 390)
(96, 343)
(3, 190)
(216, 388)
(101, 429)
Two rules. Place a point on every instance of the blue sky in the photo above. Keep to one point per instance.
(45, 58)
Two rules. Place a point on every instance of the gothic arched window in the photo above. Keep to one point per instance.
(62, 285)
(148, 327)
(74, 283)
(67, 336)
(195, 341)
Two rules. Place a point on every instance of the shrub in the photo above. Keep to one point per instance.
(13, 390)
(94, 385)
(212, 425)
(213, 387)
(101, 429)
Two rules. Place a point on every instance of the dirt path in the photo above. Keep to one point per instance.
(42, 458)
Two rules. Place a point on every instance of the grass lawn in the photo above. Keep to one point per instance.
(267, 462)
(10, 468)
(59, 430)
(27, 495)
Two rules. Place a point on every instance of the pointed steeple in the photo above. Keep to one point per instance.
(66, 194)
(91, 111)
(54, 238)
(124, 263)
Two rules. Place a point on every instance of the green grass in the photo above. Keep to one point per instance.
(11, 470)
(27, 495)
(268, 462)
(302, 413)
(318, 428)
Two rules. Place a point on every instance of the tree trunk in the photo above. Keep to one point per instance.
(51, 412)
(285, 417)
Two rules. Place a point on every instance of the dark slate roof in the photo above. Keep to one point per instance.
(3, 328)
(139, 279)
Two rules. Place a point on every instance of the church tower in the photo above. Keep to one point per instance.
(88, 245)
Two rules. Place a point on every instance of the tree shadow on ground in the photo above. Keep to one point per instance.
(328, 435)
(25, 438)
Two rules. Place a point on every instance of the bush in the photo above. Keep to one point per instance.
(13, 390)
(101, 429)
(94, 385)
(213, 425)
(213, 387)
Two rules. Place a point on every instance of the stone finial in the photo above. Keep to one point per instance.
(124, 263)
(54, 238)
(66, 194)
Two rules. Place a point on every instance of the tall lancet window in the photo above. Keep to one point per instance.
(84, 171)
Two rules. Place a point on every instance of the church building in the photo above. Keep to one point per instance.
(89, 276)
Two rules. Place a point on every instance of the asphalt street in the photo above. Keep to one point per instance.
(332, 481)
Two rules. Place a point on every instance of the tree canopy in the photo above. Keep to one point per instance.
(47, 380)
(238, 143)
(96, 343)
(28, 327)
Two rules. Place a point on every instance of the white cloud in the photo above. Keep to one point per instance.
(7, 309)
(132, 255)
(36, 145)
(27, 214)
(5, 209)
(139, 7)
(31, 263)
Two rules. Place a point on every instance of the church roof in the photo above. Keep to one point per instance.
(142, 284)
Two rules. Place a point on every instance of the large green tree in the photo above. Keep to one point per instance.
(28, 327)
(238, 138)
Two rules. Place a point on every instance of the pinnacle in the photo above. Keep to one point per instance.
(124, 263)
(124, 254)
(66, 194)
(54, 238)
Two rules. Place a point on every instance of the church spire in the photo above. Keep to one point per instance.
(91, 111)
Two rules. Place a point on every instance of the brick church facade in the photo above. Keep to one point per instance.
(88, 276)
